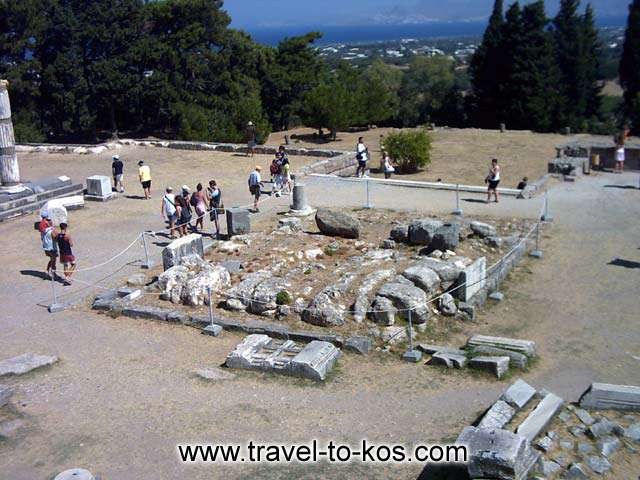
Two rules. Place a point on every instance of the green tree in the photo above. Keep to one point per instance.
(629, 71)
(380, 98)
(410, 150)
(295, 70)
(329, 105)
(487, 72)
(592, 49)
(21, 24)
(529, 89)
(425, 88)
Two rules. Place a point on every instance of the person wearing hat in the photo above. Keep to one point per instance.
(144, 174)
(117, 169)
(251, 139)
(183, 204)
(255, 186)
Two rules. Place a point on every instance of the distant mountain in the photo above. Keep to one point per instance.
(430, 11)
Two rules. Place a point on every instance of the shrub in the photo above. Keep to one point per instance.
(26, 130)
(410, 150)
(283, 298)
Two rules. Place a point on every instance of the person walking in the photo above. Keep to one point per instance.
(199, 201)
(183, 207)
(169, 210)
(493, 179)
(287, 187)
(65, 242)
(144, 174)
(251, 139)
(387, 166)
(620, 139)
(255, 187)
(362, 156)
(48, 237)
(214, 198)
(117, 169)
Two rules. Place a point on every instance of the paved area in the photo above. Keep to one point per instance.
(123, 394)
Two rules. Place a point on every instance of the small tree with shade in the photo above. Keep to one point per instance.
(410, 150)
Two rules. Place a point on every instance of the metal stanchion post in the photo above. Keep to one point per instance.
(55, 306)
(368, 205)
(147, 264)
(211, 329)
(547, 217)
(458, 210)
(537, 253)
(411, 355)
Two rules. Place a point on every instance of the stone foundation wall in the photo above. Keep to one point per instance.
(606, 151)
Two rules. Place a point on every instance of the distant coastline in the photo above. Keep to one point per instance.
(381, 33)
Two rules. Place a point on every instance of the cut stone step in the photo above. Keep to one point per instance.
(604, 396)
(497, 416)
(518, 360)
(450, 360)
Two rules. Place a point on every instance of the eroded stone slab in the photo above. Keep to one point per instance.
(450, 360)
(518, 394)
(526, 347)
(497, 416)
(260, 352)
(518, 360)
(25, 363)
(473, 279)
(540, 417)
(190, 245)
(604, 396)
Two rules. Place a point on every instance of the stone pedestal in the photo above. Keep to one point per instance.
(99, 188)
(190, 245)
(300, 207)
(238, 222)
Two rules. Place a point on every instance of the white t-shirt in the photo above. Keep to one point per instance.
(169, 204)
(495, 176)
(620, 154)
(254, 178)
(362, 150)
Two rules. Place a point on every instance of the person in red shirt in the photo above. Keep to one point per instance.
(65, 242)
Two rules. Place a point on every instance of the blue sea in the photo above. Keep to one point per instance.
(376, 33)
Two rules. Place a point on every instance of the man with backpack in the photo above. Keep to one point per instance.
(255, 186)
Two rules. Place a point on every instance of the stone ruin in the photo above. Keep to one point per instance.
(536, 434)
(260, 352)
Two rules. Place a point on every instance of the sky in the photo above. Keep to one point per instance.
(251, 14)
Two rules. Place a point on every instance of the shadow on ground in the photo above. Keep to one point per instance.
(618, 262)
(444, 472)
(622, 187)
(40, 275)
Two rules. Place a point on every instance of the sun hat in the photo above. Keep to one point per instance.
(258, 167)
(250, 123)
(185, 188)
(116, 157)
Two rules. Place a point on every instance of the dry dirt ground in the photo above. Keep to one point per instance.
(124, 393)
(459, 155)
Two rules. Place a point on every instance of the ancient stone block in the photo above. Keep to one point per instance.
(497, 416)
(431, 349)
(526, 347)
(599, 465)
(260, 352)
(497, 454)
(472, 279)
(482, 229)
(238, 221)
(604, 396)
(361, 305)
(334, 223)
(189, 245)
(540, 417)
(400, 233)
(518, 394)
(517, 360)
(407, 297)
(98, 187)
(25, 363)
(608, 445)
(450, 360)
(147, 312)
(5, 395)
(358, 344)
(447, 237)
(421, 232)
(496, 365)
(423, 277)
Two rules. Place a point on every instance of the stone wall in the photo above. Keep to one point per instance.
(606, 150)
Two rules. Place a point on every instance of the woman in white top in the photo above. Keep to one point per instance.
(493, 179)
(388, 167)
(362, 155)
(620, 141)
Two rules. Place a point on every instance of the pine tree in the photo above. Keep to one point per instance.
(529, 90)
(592, 50)
(630, 67)
(487, 73)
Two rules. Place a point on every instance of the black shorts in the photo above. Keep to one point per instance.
(146, 184)
(255, 190)
(362, 163)
(493, 184)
